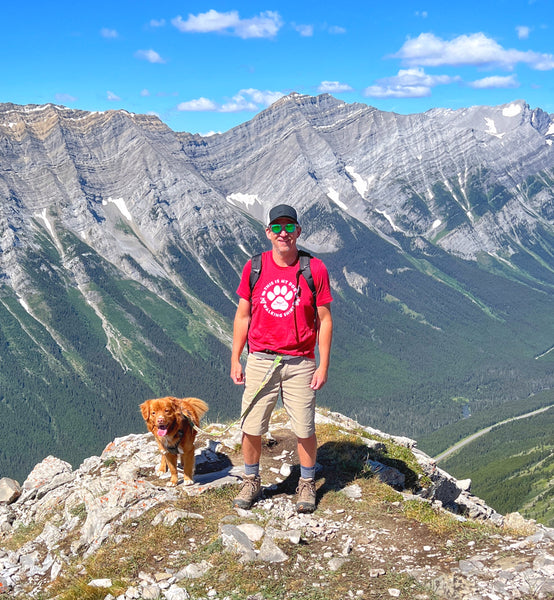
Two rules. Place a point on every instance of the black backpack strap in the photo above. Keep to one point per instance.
(255, 270)
(306, 272)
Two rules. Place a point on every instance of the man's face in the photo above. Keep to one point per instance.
(283, 240)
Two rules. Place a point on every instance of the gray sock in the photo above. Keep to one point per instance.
(252, 469)
(307, 472)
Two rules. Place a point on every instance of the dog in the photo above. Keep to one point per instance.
(171, 421)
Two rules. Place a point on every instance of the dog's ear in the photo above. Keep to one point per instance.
(175, 405)
(145, 409)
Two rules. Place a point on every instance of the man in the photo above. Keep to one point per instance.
(280, 322)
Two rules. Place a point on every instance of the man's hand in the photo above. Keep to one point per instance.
(237, 374)
(240, 332)
(319, 379)
(325, 337)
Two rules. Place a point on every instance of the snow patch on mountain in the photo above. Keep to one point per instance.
(335, 197)
(247, 200)
(44, 218)
(388, 218)
(120, 204)
(361, 185)
(491, 128)
(513, 110)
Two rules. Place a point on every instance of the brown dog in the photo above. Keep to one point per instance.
(170, 420)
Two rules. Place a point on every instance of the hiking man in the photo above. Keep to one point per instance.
(282, 320)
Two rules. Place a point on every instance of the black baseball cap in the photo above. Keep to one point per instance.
(282, 210)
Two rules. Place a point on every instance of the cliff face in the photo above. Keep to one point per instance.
(388, 523)
(475, 180)
(121, 245)
(464, 176)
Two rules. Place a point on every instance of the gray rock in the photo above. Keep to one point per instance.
(169, 516)
(388, 475)
(7, 517)
(254, 532)
(100, 583)
(194, 570)
(10, 490)
(45, 473)
(291, 535)
(270, 552)
(354, 492)
(336, 563)
(464, 484)
(236, 541)
(176, 593)
(150, 592)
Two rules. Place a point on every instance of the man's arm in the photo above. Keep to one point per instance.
(324, 345)
(240, 334)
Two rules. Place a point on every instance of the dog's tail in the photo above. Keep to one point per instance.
(195, 407)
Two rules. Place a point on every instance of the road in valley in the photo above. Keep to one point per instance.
(481, 432)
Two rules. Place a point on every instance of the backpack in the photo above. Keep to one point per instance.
(303, 269)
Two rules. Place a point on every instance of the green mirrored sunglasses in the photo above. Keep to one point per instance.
(288, 227)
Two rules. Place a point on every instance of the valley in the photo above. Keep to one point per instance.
(481, 432)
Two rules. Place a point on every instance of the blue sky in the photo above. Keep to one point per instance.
(209, 66)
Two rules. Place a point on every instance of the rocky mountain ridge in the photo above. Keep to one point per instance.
(77, 514)
(121, 245)
(402, 175)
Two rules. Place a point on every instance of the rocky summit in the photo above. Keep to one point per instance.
(389, 524)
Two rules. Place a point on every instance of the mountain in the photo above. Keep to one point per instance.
(122, 243)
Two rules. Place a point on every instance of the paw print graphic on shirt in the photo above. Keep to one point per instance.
(280, 297)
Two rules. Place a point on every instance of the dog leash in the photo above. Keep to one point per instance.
(276, 362)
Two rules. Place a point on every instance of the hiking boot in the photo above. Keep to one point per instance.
(306, 496)
(249, 492)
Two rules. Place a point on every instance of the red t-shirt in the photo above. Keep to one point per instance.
(283, 318)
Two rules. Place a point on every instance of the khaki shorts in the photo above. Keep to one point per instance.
(292, 378)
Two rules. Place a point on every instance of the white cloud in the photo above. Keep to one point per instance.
(198, 105)
(65, 98)
(409, 83)
(144, 93)
(157, 23)
(150, 55)
(264, 98)
(336, 30)
(108, 33)
(304, 30)
(265, 25)
(112, 97)
(207, 22)
(333, 87)
(422, 13)
(246, 100)
(475, 49)
(238, 104)
(523, 32)
(495, 81)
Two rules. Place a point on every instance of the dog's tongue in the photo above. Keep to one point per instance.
(162, 432)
